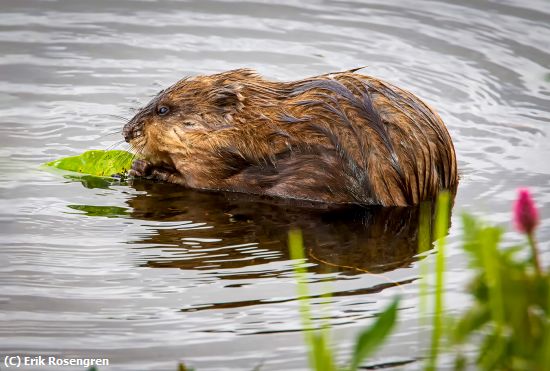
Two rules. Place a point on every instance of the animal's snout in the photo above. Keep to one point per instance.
(132, 130)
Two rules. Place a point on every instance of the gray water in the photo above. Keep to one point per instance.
(150, 274)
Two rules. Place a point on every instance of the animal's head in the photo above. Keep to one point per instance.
(187, 113)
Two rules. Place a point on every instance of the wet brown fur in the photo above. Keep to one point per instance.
(336, 138)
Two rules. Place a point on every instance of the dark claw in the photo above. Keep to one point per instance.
(140, 168)
(161, 174)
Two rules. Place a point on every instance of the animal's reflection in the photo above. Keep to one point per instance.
(352, 240)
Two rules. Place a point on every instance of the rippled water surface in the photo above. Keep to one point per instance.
(148, 274)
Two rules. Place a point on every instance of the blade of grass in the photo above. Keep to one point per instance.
(441, 227)
(319, 353)
(489, 238)
(546, 341)
(372, 337)
(424, 244)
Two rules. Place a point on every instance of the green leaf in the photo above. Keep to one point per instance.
(322, 353)
(475, 318)
(183, 367)
(96, 162)
(106, 211)
(372, 337)
(92, 181)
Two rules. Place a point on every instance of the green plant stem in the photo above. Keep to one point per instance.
(489, 244)
(534, 253)
(295, 244)
(546, 342)
(424, 244)
(441, 227)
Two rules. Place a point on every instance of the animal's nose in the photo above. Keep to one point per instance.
(132, 130)
(127, 132)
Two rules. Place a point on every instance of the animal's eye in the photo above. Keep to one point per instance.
(188, 123)
(163, 110)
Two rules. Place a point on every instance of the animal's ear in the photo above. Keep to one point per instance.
(228, 97)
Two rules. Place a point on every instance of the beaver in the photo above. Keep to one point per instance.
(338, 138)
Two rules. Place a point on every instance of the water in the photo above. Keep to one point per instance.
(148, 274)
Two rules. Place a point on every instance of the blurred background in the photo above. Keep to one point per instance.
(150, 274)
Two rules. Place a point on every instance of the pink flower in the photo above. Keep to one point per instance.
(526, 216)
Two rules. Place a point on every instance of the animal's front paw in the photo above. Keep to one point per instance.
(163, 175)
(141, 168)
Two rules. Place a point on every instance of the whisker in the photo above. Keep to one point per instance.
(118, 117)
(117, 131)
(116, 144)
(114, 131)
(134, 155)
(137, 153)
